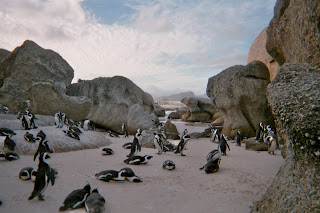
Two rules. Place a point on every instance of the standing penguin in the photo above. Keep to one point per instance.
(43, 178)
(86, 124)
(272, 144)
(223, 144)
(95, 202)
(158, 142)
(136, 147)
(124, 130)
(43, 147)
(24, 122)
(182, 145)
(259, 132)
(76, 199)
(10, 156)
(107, 151)
(238, 138)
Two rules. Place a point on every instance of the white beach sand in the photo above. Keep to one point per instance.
(242, 178)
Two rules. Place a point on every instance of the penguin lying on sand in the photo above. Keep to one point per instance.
(124, 130)
(213, 162)
(111, 175)
(6, 132)
(138, 160)
(95, 202)
(10, 156)
(131, 176)
(76, 199)
(28, 173)
(107, 151)
(29, 137)
(43, 178)
(238, 138)
(113, 134)
(169, 165)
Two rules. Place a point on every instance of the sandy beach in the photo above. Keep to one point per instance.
(242, 178)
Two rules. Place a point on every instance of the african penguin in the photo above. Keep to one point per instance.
(71, 134)
(6, 132)
(223, 144)
(272, 144)
(9, 143)
(138, 160)
(86, 125)
(238, 138)
(10, 156)
(127, 145)
(28, 173)
(107, 151)
(259, 132)
(111, 175)
(76, 199)
(131, 176)
(75, 129)
(43, 178)
(182, 145)
(24, 122)
(42, 148)
(169, 165)
(136, 147)
(158, 142)
(213, 162)
(29, 137)
(113, 134)
(124, 130)
(95, 202)
(41, 136)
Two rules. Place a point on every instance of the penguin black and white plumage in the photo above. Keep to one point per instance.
(223, 144)
(111, 175)
(6, 132)
(95, 202)
(9, 143)
(107, 151)
(182, 145)
(43, 178)
(169, 165)
(5, 110)
(272, 144)
(58, 119)
(124, 130)
(113, 134)
(10, 156)
(24, 121)
(215, 137)
(41, 136)
(259, 132)
(213, 162)
(75, 129)
(136, 147)
(138, 160)
(76, 199)
(158, 142)
(86, 124)
(42, 148)
(238, 138)
(71, 134)
(28, 173)
(29, 137)
(31, 117)
(127, 145)
(131, 176)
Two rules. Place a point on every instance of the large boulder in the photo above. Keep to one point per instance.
(200, 109)
(258, 52)
(159, 111)
(171, 131)
(176, 97)
(139, 119)
(239, 93)
(29, 64)
(112, 99)
(3, 53)
(294, 99)
(293, 33)
(46, 99)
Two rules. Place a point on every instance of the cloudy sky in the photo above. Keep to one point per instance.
(164, 46)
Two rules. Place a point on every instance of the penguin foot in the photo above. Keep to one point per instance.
(31, 197)
(40, 197)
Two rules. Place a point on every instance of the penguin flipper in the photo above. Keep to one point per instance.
(51, 176)
(228, 146)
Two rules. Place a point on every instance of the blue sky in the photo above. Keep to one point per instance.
(163, 46)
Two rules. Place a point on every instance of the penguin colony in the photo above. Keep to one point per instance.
(92, 201)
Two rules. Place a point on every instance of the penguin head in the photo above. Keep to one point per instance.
(87, 187)
(129, 171)
(2, 155)
(148, 157)
(95, 190)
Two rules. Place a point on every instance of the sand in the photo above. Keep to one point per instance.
(243, 177)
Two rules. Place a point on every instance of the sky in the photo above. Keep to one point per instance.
(163, 46)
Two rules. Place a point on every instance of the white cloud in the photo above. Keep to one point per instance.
(160, 43)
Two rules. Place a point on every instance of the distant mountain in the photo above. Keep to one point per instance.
(176, 97)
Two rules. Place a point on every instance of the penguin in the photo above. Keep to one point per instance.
(136, 147)
(9, 143)
(113, 134)
(272, 144)
(71, 134)
(107, 151)
(95, 202)
(213, 162)
(42, 148)
(158, 143)
(24, 122)
(76, 199)
(127, 145)
(75, 129)
(185, 132)
(41, 136)
(124, 130)
(238, 138)
(5, 110)
(259, 132)
(223, 144)
(10, 156)
(138, 160)
(7, 132)
(111, 175)
(29, 137)
(169, 165)
(58, 119)
(43, 178)
(86, 125)
(131, 176)
(28, 173)
(182, 145)
(31, 117)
